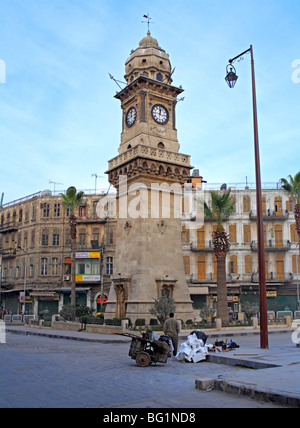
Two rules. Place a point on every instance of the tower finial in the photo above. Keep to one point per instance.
(148, 22)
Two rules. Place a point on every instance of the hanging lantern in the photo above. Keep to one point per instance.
(231, 76)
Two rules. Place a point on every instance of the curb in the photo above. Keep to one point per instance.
(183, 336)
(61, 336)
(248, 390)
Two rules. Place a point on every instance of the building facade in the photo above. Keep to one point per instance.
(281, 253)
(35, 249)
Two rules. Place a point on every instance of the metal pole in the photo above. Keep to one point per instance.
(101, 275)
(0, 280)
(260, 229)
(297, 261)
(25, 278)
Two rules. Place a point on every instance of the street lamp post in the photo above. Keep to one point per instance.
(231, 79)
(25, 278)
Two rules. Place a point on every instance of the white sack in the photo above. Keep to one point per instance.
(193, 350)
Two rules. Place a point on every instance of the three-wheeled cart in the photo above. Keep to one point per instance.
(146, 351)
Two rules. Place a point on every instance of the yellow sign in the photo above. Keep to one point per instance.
(95, 255)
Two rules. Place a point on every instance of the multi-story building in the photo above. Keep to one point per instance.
(281, 252)
(35, 248)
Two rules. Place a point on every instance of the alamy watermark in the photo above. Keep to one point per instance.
(296, 332)
(156, 201)
(296, 72)
(2, 71)
(2, 332)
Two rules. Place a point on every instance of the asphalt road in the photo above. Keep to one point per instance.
(40, 372)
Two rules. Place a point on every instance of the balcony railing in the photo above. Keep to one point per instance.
(203, 246)
(90, 218)
(274, 277)
(9, 226)
(8, 253)
(270, 215)
(272, 245)
(211, 278)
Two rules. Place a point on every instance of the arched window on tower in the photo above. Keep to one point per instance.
(159, 77)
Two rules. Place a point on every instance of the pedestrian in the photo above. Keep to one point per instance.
(171, 329)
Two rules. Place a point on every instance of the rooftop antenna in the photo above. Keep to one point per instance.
(148, 21)
(96, 176)
(54, 183)
(116, 81)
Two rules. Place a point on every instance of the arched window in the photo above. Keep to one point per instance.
(161, 145)
(159, 77)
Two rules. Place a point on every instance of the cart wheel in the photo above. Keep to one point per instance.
(143, 359)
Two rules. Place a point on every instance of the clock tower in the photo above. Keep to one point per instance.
(148, 173)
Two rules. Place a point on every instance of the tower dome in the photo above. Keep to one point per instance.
(148, 60)
(148, 41)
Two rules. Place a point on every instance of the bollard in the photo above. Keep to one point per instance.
(125, 324)
(288, 321)
(254, 322)
(218, 323)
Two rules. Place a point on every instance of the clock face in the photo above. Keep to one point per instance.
(160, 114)
(130, 117)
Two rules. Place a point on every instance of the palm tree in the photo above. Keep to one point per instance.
(71, 200)
(221, 208)
(293, 188)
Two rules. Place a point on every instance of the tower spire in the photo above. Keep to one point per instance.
(148, 21)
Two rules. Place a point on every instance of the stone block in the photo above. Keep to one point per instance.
(205, 384)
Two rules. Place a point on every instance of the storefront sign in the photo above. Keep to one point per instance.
(87, 278)
(88, 255)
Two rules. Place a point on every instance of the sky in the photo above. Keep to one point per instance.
(60, 122)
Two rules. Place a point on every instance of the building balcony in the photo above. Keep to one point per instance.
(272, 246)
(206, 246)
(274, 277)
(210, 278)
(270, 215)
(10, 226)
(90, 219)
(8, 253)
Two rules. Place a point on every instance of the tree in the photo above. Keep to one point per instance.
(249, 310)
(293, 189)
(163, 306)
(221, 208)
(71, 200)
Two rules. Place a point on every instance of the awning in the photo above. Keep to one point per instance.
(199, 290)
(44, 295)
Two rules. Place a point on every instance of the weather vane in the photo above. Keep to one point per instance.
(148, 21)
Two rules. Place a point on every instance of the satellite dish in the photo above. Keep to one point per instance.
(46, 192)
